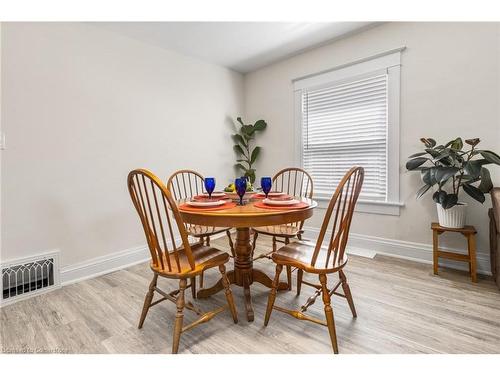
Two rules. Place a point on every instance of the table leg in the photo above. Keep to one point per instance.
(248, 297)
(217, 287)
(243, 274)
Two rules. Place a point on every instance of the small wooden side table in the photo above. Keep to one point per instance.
(470, 233)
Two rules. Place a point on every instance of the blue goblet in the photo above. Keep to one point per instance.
(241, 188)
(266, 184)
(210, 186)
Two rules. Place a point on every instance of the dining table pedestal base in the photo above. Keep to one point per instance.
(243, 273)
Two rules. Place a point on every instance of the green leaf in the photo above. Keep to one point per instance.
(240, 166)
(474, 192)
(485, 185)
(239, 120)
(238, 138)
(414, 163)
(429, 176)
(444, 173)
(423, 190)
(434, 153)
(251, 175)
(238, 149)
(490, 156)
(455, 155)
(442, 154)
(449, 201)
(248, 130)
(244, 161)
(457, 144)
(255, 154)
(417, 154)
(439, 196)
(260, 125)
(473, 167)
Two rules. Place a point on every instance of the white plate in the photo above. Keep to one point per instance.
(280, 203)
(215, 194)
(205, 204)
(272, 194)
(235, 195)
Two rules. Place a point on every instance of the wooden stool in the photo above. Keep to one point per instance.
(468, 231)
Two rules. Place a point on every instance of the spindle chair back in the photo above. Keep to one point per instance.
(325, 257)
(170, 258)
(295, 182)
(160, 220)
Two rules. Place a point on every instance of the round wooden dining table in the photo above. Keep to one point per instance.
(242, 218)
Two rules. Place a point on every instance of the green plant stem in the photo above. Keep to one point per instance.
(469, 156)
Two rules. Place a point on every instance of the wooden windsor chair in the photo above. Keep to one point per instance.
(316, 259)
(292, 181)
(185, 184)
(160, 219)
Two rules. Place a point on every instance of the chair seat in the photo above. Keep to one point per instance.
(204, 257)
(279, 230)
(202, 230)
(299, 254)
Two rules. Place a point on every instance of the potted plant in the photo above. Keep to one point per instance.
(245, 155)
(449, 169)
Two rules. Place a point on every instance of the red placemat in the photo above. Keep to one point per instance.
(291, 207)
(225, 206)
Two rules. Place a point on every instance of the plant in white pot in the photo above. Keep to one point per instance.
(449, 169)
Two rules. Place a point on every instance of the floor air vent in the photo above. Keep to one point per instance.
(30, 276)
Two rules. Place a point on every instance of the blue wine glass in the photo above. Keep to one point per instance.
(241, 188)
(266, 184)
(210, 186)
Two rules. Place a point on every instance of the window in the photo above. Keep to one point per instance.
(350, 116)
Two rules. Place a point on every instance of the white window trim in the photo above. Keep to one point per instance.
(390, 62)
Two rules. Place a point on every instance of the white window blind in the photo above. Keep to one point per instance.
(345, 125)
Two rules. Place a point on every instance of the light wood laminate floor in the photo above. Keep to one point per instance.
(402, 308)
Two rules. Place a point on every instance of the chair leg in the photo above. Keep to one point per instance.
(347, 292)
(201, 280)
(288, 269)
(193, 287)
(274, 244)
(147, 300)
(255, 235)
(272, 294)
(231, 244)
(300, 275)
(289, 276)
(329, 313)
(207, 241)
(229, 294)
(179, 316)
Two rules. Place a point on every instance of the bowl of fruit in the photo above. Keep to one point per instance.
(230, 190)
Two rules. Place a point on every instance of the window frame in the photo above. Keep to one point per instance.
(388, 62)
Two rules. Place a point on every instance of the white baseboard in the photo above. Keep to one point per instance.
(104, 264)
(360, 244)
(108, 263)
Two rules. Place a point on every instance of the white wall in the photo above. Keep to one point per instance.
(450, 86)
(81, 108)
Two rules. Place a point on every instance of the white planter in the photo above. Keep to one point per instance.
(453, 217)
